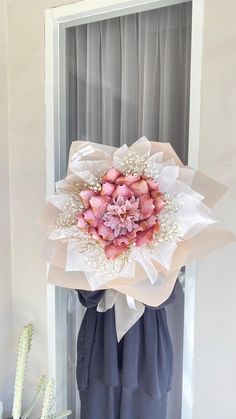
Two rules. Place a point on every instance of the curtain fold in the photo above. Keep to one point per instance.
(127, 77)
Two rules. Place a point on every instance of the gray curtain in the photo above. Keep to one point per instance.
(127, 77)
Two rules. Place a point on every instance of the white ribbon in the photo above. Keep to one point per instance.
(127, 310)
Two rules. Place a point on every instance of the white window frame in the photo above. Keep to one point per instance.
(56, 21)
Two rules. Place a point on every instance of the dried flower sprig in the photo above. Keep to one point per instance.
(23, 349)
(48, 399)
(45, 386)
(40, 388)
(61, 414)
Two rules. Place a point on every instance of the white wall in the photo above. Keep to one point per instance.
(25, 21)
(6, 359)
(215, 337)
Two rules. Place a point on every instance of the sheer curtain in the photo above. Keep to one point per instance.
(128, 77)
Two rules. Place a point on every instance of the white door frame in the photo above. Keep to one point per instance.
(56, 20)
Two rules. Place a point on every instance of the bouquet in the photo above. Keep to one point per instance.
(126, 220)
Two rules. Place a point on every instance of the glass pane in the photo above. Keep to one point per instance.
(127, 77)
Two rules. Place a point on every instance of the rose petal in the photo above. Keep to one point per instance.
(112, 251)
(81, 222)
(143, 226)
(120, 200)
(159, 204)
(144, 237)
(133, 233)
(122, 190)
(140, 187)
(154, 194)
(107, 188)
(119, 241)
(127, 180)
(151, 221)
(95, 236)
(146, 206)
(99, 205)
(94, 233)
(157, 227)
(85, 196)
(90, 218)
(105, 232)
(153, 186)
(111, 175)
(103, 243)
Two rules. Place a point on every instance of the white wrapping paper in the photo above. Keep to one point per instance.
(150, 274)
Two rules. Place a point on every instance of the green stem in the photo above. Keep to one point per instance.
(60, 414)
(39, 390)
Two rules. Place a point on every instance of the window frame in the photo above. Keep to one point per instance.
(56, 21)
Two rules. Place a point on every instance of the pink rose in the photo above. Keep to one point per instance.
(124, 212)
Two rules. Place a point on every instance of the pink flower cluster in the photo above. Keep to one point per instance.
(124, 212)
